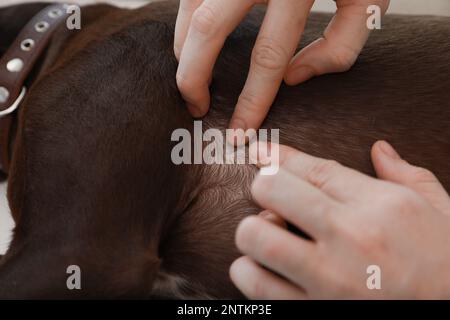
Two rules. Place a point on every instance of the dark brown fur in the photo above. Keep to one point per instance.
(92, 182)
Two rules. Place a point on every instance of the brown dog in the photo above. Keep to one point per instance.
(92, 182)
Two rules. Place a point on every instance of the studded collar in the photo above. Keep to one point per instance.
(17, 64)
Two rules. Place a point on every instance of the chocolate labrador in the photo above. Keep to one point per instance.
(92, 183)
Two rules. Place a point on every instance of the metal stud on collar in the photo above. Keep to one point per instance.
(41, 26)
(4, 94)
(15, 61)
(15, 65)
(27, 44)
(55, 13)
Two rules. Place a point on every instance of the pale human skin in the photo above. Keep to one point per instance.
(203, 26)
(399, 222)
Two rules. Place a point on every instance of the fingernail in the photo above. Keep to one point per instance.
(259, 153)
(253, 153)
(273, 218)
(388, 150)
(238, 137)
(299, 74)
(266, 215)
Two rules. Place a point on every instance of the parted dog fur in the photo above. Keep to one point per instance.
(92, 182)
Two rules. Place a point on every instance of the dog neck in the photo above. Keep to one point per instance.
(16, 67)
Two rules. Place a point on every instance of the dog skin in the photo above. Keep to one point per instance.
(92, 182)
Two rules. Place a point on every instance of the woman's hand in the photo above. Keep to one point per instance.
(400, 223)
(203, 26)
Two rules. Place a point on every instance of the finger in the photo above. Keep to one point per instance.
(390, 166)
(296, 201)
(210, 25)
(339, 47)
(185, 12)
(277, 249)
(274, 218)
(338, 182)
(274, 48)
(257, 283)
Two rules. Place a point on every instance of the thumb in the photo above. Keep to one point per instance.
(391, 167)
(339, 47)
(318, 58)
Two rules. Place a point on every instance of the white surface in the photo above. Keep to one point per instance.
(6, 222)
(434, 7)
(437, 7)
(124, 3)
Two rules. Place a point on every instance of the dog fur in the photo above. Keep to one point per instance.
(92, 183)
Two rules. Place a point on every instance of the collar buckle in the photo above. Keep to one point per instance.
(15, 104)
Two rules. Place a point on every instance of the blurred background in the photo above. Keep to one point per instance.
(432, 7)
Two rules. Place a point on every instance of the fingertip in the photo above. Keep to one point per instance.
(384, 149)
(236, 266)
(177, 53)
(197, 98)
(259, 153)
(193, 89)
(195, 111)
(256, 187)
(240, 270)
(238, 127)
(298, 74)
(387, 162)
(232, 271)
(245, 231)
(375, 151)
(252, 106)
(273, 218)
